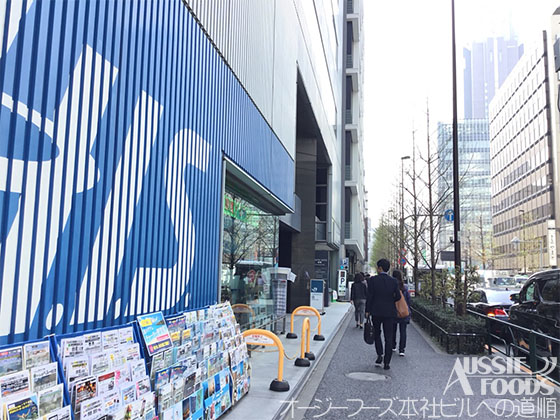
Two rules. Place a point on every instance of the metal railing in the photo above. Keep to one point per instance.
(510, 345)
(462, 340)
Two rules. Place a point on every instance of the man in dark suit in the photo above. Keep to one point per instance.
(383, 292)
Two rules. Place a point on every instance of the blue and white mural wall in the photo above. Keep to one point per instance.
(114, 120)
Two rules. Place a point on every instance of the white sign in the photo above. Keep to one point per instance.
(259, 339)
(342, 282)
(552, 250)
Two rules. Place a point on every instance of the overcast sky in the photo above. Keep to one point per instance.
(408, 60)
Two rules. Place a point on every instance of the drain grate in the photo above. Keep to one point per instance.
(367, 376)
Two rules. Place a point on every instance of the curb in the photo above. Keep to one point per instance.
(428, 339)
(297, 389)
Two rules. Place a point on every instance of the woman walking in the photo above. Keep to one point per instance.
(401, 322)
(358, 296)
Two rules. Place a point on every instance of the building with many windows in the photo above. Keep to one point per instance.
(524, 154)
(355, 204)
(474, 175)
(487, 64)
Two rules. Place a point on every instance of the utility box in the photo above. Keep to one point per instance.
(316, 300)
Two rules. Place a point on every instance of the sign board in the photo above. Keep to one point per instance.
(322, 265)
(316, 294)
(341, 283)
(259, 340)
(449, 215)
(403, 261)
(447, 255)
(552, 246)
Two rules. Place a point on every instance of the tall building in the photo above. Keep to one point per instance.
(524, 161)
(355, 210)
(169, 154)
(474, 174)
(487, 65)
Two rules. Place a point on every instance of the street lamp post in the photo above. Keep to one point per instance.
(524, 240)
(401, 233)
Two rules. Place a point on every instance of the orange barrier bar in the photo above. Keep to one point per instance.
(305, 332)
(306, 310)
(259, 337)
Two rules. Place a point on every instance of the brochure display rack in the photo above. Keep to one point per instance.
(199, 362)
(31, 385)
(105, 374)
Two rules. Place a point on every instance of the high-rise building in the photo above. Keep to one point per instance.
(474, 184)
(487, 65)
(355, 210)
(524, 162)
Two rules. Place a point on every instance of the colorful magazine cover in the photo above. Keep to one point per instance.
(176, 326)
(14, 383)
(161, 378)
(84, 389)
(155, 332)
(43, 377)
(11, 360)
(36, 354)
(132, 352)
(128, 394)
(61, 414)
(25, 408)
(50, 399)
(112, 402)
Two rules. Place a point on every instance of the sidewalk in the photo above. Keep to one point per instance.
(263, 404)
(350, 386)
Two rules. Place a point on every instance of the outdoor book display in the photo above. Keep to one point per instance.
(198, 362)
(30, 384)
(105, 375)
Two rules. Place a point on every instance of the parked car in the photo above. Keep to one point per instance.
(537, 307)
(492, 302)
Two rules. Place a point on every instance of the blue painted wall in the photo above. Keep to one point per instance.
(114, 121)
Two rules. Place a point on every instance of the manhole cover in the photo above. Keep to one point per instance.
(367, 376)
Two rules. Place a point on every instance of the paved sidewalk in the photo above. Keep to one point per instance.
(415, 381)
(261, 403)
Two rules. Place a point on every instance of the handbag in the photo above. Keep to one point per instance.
(369, 334)
(402, 307)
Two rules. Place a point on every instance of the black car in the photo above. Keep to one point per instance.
(492, 302)
(537, 307)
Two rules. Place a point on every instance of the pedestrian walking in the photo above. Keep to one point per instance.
(358, 297)
(401, 322)
(382, 293)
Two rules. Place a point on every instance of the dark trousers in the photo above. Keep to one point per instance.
(402, 335)
(388, 324)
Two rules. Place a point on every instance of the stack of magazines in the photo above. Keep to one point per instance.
(106, 376)
(29, 387)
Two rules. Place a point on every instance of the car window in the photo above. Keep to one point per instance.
(528, 293)
(483, 297)
(551, 290)
(474, 297)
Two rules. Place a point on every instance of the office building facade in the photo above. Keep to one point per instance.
(162, 155)
(524, 154)
(487, 65)
(474, 187)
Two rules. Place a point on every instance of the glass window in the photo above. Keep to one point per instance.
(551, 291)
(250, 251)
(528, 294)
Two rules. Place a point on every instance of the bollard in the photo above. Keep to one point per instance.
(306, 310)
(259, 337)
(303, 360)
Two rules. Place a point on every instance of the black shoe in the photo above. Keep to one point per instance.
(386, 367)
(357, 325)
(401, 353)
(379, 361)
(361, 327)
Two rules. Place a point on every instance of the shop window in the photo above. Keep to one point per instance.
(250, 250)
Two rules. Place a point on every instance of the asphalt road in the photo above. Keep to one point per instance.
(414, 387)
